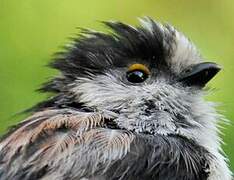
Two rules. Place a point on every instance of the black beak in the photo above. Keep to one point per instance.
(199, 74)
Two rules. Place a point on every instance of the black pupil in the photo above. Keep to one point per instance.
(136, 76)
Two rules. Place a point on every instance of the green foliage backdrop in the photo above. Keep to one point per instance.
(31, 31)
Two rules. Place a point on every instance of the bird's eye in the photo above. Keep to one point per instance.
(137, 73)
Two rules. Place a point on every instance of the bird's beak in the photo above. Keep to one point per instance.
(199, 74)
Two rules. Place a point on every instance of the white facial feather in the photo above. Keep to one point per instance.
(184, 52)
(108, 94)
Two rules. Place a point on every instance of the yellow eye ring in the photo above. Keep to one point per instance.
(137, 73)
(139, 67)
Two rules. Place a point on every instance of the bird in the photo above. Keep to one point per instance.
(126, 104)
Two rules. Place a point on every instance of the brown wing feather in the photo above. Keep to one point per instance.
(63, 143)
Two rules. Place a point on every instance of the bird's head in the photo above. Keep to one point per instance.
(147, 79)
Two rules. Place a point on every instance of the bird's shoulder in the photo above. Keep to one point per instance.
(62, 142)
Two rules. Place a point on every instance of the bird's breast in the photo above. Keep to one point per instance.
(161, 157)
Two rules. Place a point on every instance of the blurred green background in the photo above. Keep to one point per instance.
(31, 31)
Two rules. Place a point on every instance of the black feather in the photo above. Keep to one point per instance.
(162, 158)
(93, 53)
